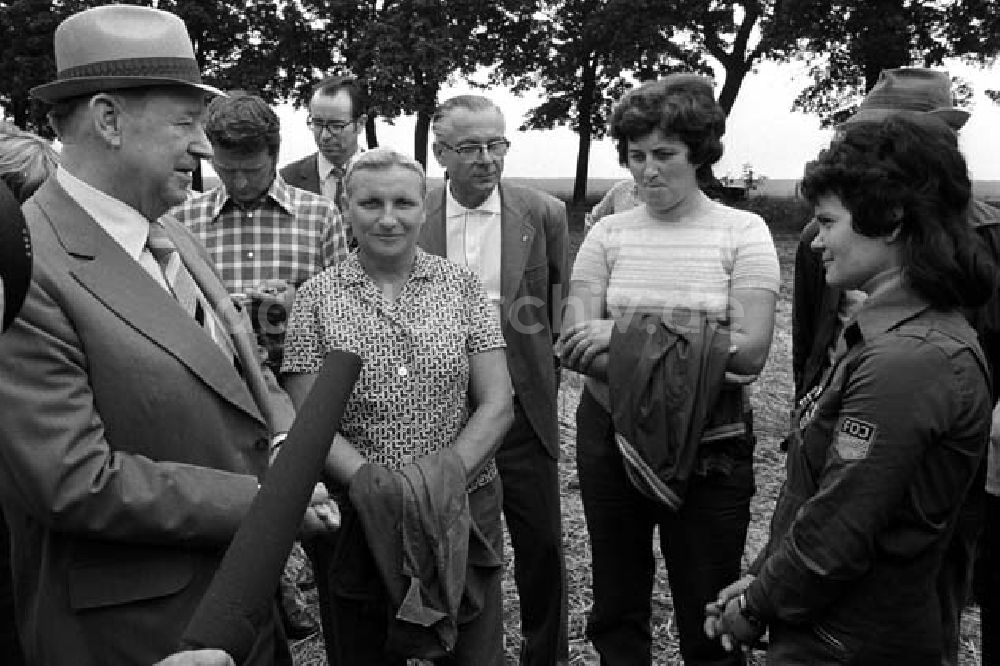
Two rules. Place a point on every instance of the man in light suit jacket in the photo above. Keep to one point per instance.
(133, 431)
(515, 238)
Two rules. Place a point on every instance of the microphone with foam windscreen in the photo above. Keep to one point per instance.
(240, 597)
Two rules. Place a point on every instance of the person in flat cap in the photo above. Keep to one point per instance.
(820, 311)
(136, 419)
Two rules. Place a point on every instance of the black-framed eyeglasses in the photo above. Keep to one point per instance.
(331, 126)
(470, 150)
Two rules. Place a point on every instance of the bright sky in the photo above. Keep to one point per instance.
(762, 130)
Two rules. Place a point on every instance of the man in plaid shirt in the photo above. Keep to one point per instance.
(265, 236)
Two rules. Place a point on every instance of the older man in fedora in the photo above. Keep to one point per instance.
(135, 417)
(819, 313)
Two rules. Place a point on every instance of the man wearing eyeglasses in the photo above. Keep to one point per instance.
(515, 239)
(336, 118)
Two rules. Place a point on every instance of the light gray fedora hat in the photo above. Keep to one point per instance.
(121, 46)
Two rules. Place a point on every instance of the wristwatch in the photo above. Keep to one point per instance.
(748, 613)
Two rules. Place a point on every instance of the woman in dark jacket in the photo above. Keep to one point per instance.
(888, 443)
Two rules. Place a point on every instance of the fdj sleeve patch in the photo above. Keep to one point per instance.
(854, 438)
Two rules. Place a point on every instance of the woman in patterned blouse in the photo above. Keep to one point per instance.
(434, 377)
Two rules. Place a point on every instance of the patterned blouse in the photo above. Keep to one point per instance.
(412, 397)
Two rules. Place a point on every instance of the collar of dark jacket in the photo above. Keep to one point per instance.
(885, 311)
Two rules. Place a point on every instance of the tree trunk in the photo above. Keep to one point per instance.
(884, 39)
(427, 91)
(585, 109)
(420, 137)
(740, 58)
(370, 135)
(731, 88)
(582, 167)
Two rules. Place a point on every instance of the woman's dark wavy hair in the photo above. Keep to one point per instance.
(680, 105)
(907, 172)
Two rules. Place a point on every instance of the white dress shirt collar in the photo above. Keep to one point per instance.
(491, 205)
(474, 239)
(127, 226)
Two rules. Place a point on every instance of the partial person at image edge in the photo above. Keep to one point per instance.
(885, 448)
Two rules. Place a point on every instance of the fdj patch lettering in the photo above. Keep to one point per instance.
(854, 438)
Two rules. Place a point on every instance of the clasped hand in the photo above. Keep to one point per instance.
(322, 515)
(272, 290)
(206, 657)
(580, 344)
(725, 620)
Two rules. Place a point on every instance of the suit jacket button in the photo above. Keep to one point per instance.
(261, 444)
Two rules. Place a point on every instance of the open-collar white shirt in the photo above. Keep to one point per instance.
(126, 226)
(474, 240)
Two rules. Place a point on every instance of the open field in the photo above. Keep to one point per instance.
(596, 187)
(778, 187)
(772, 400)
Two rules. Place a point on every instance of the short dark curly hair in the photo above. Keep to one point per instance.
(905, 174)
(680, 105)
(243, 123)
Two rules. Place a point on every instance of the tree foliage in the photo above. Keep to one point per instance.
(584, 54)
(848, 42)
(259, 46)
(588, 52)
(406, 50)
(26, 60)
(737, 34)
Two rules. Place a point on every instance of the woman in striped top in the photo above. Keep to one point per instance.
(678, 255)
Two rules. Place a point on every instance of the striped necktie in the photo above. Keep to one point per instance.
(338, 173)
(335, 183)
(185, 289)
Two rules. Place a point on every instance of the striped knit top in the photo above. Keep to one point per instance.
(677, 269)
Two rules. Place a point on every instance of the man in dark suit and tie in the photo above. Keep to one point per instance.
(336, 118)
(135, 417)
(515, 239)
